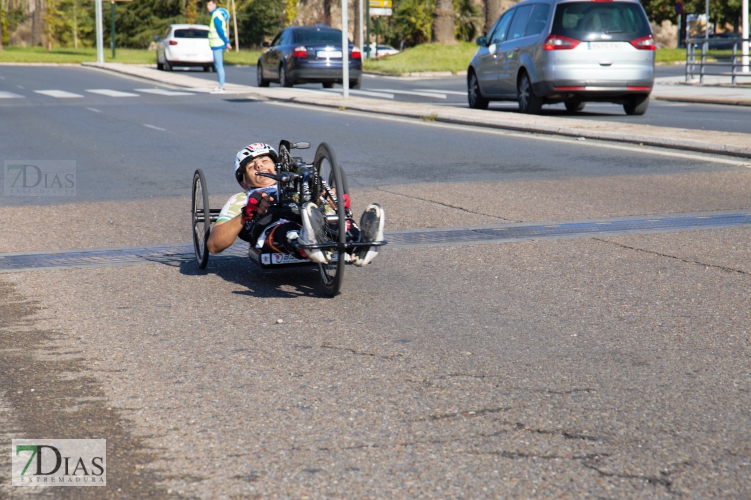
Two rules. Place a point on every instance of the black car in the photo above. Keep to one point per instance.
(308, 54)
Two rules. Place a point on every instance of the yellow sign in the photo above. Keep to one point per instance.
(380, 4)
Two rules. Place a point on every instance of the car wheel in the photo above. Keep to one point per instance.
(260, 80)
(474, 95)
(283, 77)
(207, 69)
(167, 65)
(159, 65)
(355, 84)
(637, 105)
(528, 102)
(573, 107)
(328, 85)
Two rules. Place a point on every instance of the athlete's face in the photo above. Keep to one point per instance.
(210, 6)
(260, 164)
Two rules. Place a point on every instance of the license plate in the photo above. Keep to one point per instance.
(329, 54)
(605, 46)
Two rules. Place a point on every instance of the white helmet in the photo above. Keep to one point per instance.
(248, 153)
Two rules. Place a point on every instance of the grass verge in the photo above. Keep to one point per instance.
(425, 57)
(670, 55)
(127, 56)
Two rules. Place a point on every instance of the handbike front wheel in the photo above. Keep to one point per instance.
(329, 173)
(201, 218)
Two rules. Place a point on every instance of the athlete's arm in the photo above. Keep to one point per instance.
(224, 234)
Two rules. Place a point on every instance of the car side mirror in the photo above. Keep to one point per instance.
(482, 41)
(157, 39)
(265, 44)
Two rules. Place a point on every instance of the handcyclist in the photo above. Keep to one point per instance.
(247, 215)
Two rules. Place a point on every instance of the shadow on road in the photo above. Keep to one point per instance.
(277, 283)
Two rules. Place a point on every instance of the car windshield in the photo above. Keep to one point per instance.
(600, 21)
(191, 33)
(319, 36)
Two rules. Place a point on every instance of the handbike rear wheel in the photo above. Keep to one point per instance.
(201, 218)
(328, 169)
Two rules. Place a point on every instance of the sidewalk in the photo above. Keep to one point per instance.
(684, 139)
(714, 90)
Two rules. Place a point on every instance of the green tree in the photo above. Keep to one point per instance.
(468, 20)
(260, 20)
(413, 21)
(721, 12)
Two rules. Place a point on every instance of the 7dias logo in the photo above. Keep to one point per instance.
(39, 178)
(59, 462)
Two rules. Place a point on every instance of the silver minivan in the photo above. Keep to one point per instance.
(570, 51)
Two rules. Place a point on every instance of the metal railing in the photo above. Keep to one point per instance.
(714, 53)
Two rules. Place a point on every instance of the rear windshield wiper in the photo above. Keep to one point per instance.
(614, 31)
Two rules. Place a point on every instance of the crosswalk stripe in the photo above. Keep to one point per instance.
(111, 93)
(9, 95)
(450, 92)
(412, 92)
(164, 92)
(364, 92)
(58, 94)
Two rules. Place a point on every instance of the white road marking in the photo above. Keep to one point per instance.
(363, 92)
(94, 110)
(58, 94)
(111, 93)
(154, 127)
(530, 136)
(412, 92)
(163, 92)
(9, 95)
(450, 92)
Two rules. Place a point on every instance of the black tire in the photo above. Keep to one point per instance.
(528, 102)
(201, 218)
(355, 84)
(474, 94)
(260, 80)
(327, 168)
(159, 65)
(637, 105)
(574, 107)
(167, 65)
(328, 85)
(283, 77)
(207, 69)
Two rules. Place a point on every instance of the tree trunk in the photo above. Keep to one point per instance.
(493, 11)
(37, 23)
(443, 22)
(327, 11)
(2, 22)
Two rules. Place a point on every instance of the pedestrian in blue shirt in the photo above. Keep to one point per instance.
(218, 41)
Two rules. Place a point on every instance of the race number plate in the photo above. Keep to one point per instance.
(329, 54)
(605, 46)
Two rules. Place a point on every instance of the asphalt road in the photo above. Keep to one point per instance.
(453, 91)
(608, 366)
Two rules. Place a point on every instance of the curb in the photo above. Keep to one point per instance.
(417, 74)
(735, 144)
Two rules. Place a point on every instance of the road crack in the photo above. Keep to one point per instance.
(362, 353)
(674, 257)
(447, 205)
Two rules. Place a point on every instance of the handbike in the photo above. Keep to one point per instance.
(323, 181)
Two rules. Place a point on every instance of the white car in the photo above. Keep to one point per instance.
(383, 50)
(184, 45)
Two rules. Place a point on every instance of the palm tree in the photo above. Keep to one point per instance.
(443, 22)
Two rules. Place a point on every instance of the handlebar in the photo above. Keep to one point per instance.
(282, 178)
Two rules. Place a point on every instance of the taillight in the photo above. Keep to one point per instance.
(300, 51)
(644, 43)
(558, 42)
(172, 42)
(356, 54)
